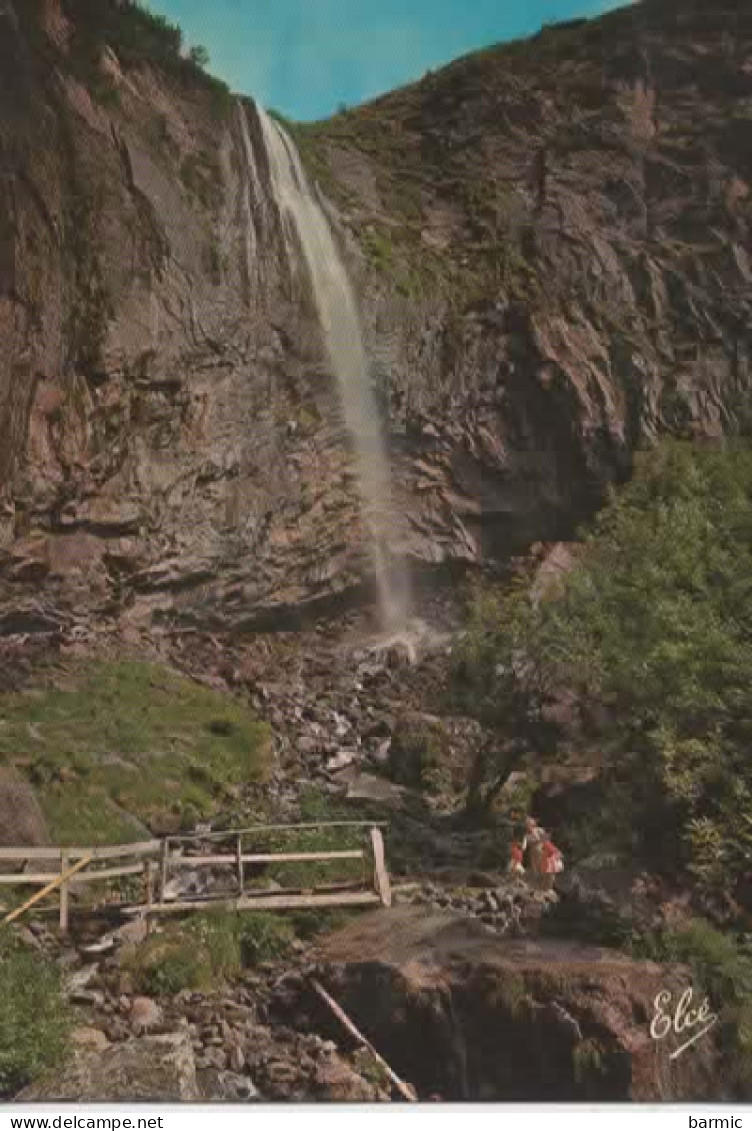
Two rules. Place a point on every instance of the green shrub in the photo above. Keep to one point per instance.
(264, 937)
(595, 923)
(655, 623)
(208, 949)
(308, 924)
(723, 971)
(170, 962)
(137, 35)
(417, 752)
(218, 934)
(34, 1018)
(587, 1061)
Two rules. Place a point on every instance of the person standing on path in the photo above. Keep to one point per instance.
(532, 846)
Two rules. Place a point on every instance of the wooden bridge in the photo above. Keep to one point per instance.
(235, 857)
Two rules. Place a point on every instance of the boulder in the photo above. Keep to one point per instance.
(87, 1039)
(226, 1087)
(144, 1014)
(335, 1080)
(21, 817)
(469, 1015)
(144, 1069)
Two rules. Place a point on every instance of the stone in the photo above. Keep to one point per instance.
(79, 980)
(95, 998)
(88, 1039)
(144, 1014)
(153, 1069)
(213, 1056)
(334, 1080)
(226, 1087)
(341, 760)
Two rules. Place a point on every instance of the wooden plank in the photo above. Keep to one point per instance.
(380, 873)
(405, 1090)
(280, 829)
(265, 858)
(97, 852)
(34, 878)
(77, 867)
(269, 902)
(28, 878)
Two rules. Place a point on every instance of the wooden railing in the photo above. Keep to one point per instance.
(157, 861)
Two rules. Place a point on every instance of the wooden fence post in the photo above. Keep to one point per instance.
(64, 891)
(163, 863)
(381, 876)
(148, 885)
(241, 878)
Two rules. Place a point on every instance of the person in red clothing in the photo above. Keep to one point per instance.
(552, 861)
(516, 866)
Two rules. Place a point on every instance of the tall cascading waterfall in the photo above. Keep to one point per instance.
(304, 217)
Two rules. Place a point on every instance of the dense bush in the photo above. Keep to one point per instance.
(170, 962)
(208, 949)
(419, 747)
(722, 971)
(34, 1019)
(264, 937)
(655, 623)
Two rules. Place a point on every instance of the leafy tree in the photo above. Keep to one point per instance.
(656, 623)
(199, 55)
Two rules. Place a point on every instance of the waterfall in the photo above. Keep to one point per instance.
(249, 227)
(306, 228)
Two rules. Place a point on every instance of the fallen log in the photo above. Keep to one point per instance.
(405, 1090)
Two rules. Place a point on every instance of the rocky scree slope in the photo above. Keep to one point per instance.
(552, 243)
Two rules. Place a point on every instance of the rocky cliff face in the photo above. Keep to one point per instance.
(552, 244)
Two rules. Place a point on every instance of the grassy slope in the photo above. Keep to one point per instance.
(113, 746)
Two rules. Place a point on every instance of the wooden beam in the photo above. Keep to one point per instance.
(405, 1090)
(269, 902)
(97, 852)
(265, 858)
(77, 867)
(280, 829)
(381, 876)
(35, 878)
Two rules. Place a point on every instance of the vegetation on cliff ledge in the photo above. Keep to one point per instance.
(654, 627)
(138, 35)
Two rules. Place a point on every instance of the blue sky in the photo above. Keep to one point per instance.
(307, 57)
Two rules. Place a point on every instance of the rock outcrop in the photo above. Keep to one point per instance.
(146, 1069)
(466, 1015)
(552, 245)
